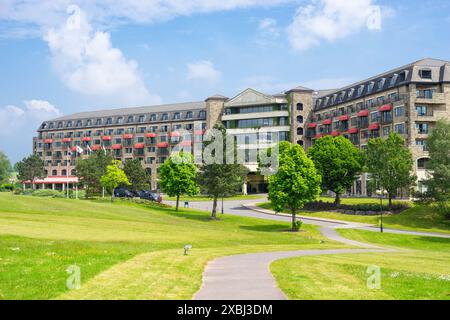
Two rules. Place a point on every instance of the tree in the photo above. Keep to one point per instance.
(178, 176)
(389, 163)
(224, 178)
(439, 163)
(30, 168)
(5, 167)
(90, 170)
(338, 161)
(137, 176)
(113, 178)
(296, 181)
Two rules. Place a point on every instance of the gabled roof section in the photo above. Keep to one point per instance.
(252, 97)
(300, 89)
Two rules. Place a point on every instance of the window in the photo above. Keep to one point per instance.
(360, 90)
(299, 106)
(399, 111)
(109, 121)
(374, 116)
(141, 130)
(400, 128)
(79, 124)
(141, 118)
(402, 76)
(392, 97)
(370, 86)
(165, 116)
(386, 131)
(88, 122)
(202, 114)
(60, 125)
(300, 119)
(422, 111)
(370, 103)
(393, 80)
(350, 93)
(130, 119)
(422, 163)
(69, 124)
(425, 73)
(153, 117)
(422, 128)
(176, 116)
(380, 83)
(98, 122)
(189, 115)
(380, 100)
(120, 120)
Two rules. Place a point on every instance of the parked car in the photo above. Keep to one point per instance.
(122, 193)
(148, 195)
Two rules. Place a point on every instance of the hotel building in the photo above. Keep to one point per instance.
(407, 100)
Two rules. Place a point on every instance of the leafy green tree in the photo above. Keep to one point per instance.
(5, 167)
(389, 163)
(137, 176)
(439, 163)
(221, 179)
(178, 176)
(113, 178)
(338, 161)
(30, 168)
(90, 170)
(296, 181)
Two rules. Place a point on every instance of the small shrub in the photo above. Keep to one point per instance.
(49, 193)
(18, 191)
(5, 187)
(443, 209)
(424, 198)
(298, 224)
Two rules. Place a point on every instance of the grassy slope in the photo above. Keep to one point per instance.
(419, 218)
(124, 250)
(420, 271)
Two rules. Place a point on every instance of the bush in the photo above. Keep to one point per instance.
(298, 225)
(48, 193)
(443, 209)
(424, 198)
(375, 207)
(18, 191)
(6, 187)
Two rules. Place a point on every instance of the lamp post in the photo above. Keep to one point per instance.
(381, 193)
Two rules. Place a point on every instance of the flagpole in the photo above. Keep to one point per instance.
(67, 172)
(76, 185)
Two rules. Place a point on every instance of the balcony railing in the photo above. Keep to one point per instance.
(427, 113)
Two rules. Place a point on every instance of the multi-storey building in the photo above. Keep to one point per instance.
(407, 100)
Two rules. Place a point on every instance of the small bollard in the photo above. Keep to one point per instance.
(186, 204)
(187, 247)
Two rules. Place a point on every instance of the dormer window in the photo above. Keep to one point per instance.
(202, 114)
(109, 121)
(402, 76)
(165, 116)
(60, 125)
(99, 122)
(141, 118)
(350, 92)
(69, 124)
(130, 119)
(44, 125)
(88, 122)
(425, 74)
(189, 115)
(119, 120)
(176, 116)
(153, 117)
(370, 86)
(393, 79)
(380, 83)
(79, 123)
(360, 90)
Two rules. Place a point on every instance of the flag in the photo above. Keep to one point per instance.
(79, 149)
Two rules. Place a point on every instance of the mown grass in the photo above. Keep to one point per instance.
(418, 218)
(125, 250)
(419, 271)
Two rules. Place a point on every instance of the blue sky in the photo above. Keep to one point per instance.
(60, 57)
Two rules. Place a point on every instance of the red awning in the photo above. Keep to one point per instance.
(312, 125)
(127, 136)
(106, 138)
(344, 118)
(318, 136)
(186, 143)
(150, 135)
(66, 139)
(48, 140)
(199, 132)
(327, 121)
(139, 146)
(386, 107)
(86, 139)
(353, 130)
(74, 148)
(117, 146)
(335, 133)
(374, 126)
(174, 134)
(96, 147)
(363, 113)
(162, 144)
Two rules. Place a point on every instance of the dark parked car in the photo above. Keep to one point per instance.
(122, 193)
(148, 195)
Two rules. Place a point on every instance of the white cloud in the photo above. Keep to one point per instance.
(17, 121)
(47, 13)
(88, 64)
(268, 31)
(331, 20)
(203, 70)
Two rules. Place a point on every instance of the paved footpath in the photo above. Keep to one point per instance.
(248, 276)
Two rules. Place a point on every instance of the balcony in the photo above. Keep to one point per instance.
(430, 97)
(426, 113)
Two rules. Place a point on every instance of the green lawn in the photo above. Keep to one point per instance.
(124, 250)
(421, 270)
(206, 198)
(419, 218)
